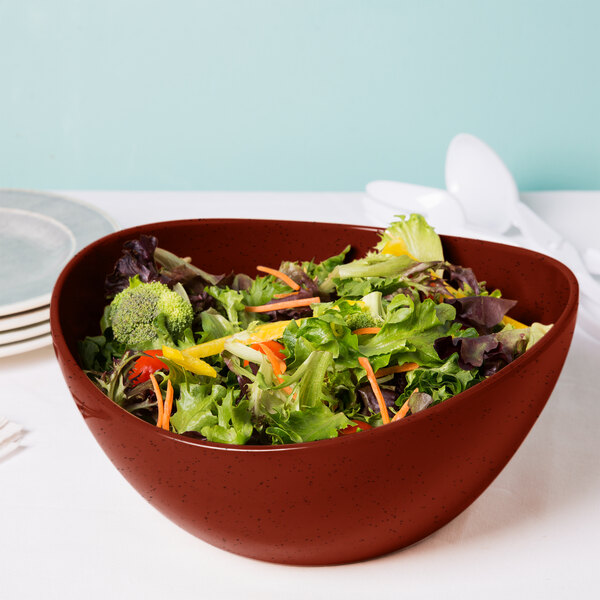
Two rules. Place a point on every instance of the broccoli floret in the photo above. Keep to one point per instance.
(360, 320)
(371, 315)
(374, 305)
(144, 315)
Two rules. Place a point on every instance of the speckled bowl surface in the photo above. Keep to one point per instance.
(332, 501)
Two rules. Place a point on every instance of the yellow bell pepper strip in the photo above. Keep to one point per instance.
(190, 363)
(263, 333)
(397, 247)
(510, 321)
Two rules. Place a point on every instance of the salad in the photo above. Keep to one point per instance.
(304, 350)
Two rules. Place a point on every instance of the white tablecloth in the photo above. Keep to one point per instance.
(72, 527)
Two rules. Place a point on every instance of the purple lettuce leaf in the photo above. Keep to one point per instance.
(299, 275)
(137, 258)
(369, 401)
(419, 401)
(202, 301)
(241, 281)
(488, 353)
(180, 270)
(400, 383)
(458, 277)
(481, 312)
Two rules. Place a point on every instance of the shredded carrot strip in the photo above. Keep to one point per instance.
(396, 369)
(168, 406)
(405, 408)
(281, 305)
(287, 295)
(159, 400)
(273, 359)
(366, 365)
(367, 331)
(277, 367)
(279, 275)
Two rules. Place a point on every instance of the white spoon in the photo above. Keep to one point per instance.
(476, 175)
(482, 183)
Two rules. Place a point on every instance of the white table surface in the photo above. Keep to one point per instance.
(72, 527)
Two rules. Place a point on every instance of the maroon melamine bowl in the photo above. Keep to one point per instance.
(331, 501)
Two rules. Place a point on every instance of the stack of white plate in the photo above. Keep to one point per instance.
(39, 233)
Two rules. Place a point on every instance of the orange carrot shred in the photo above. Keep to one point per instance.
(286, 295)
(405, 408)
(159, 400)
(281, 305)
(396, 369)
(366, 365)
(279, 275)
(367, 331)
(276, 363)
(168, 406)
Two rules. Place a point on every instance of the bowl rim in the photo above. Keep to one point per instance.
(63, 352)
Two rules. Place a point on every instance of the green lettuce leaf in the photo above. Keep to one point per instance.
(374, 272)
(441, 382)
(195, 406)
(215, 325)
(536, 332)
(361, 286)
(328, 333)
(419, 237)
(230, 301)
(311, 424)
(262, 290)
(98, 352)
(410, 330)
(375, 265)
(234, 422)
(320, 271)
(311, 389)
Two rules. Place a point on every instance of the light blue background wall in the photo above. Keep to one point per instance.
(292, 94)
